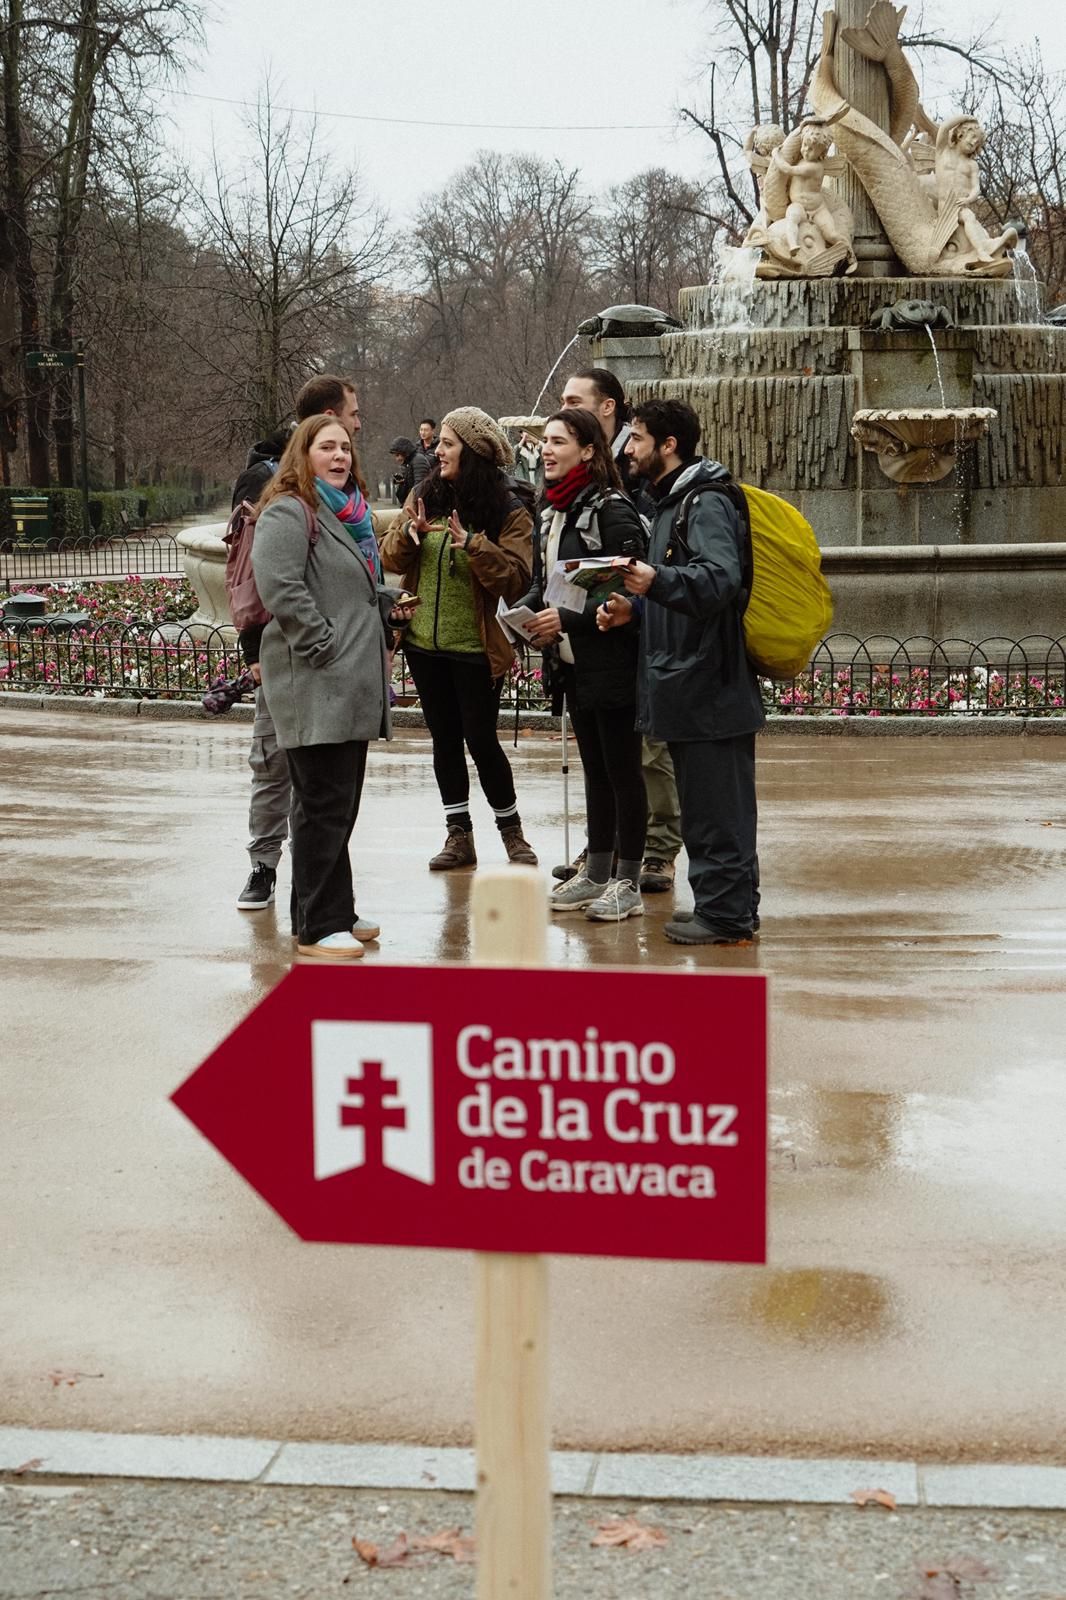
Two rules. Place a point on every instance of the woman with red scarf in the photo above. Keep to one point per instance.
(586, 514)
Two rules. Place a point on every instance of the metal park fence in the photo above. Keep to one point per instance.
(144, 556)
(847, 677)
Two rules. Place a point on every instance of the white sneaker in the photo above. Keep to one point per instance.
(334, 947)
(575, 893)
(619, 900)
(365, 930)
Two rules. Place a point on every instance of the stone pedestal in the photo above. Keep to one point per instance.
(204, 559)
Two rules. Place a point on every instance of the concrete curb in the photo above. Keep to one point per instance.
(408, 717)
(612, 1475)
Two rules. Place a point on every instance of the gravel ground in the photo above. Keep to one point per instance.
(138, 1541)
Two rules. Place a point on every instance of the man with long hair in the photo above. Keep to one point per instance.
(599, 391)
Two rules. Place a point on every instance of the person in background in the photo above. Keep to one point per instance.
(528, 466)
(268, 806)
(323, 665)
(426, 450)
(597, 390)
(697, 688)
(403, 451)
(586, 514)
(462, 544)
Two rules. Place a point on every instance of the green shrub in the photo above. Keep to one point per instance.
(159, 503)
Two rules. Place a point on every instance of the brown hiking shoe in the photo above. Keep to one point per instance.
(656, 876)
(458, 851)
(519, 850)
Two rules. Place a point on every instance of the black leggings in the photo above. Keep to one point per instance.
(461, 704)
(616, 805)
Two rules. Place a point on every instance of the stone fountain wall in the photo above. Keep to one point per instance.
(776, 401)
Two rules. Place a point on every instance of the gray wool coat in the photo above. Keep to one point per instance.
(322, 653)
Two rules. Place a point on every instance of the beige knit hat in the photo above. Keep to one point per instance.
(482, 433)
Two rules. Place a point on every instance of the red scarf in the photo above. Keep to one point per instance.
(562, 495)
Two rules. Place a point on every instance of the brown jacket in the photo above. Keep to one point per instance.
(501, 569)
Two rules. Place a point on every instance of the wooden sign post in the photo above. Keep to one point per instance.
(514, 1109)
(511, 1413)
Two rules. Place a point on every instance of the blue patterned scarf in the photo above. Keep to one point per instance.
(353, 511)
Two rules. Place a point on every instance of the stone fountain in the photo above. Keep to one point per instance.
(883, 372)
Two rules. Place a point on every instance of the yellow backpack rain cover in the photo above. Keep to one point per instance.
(790, 608)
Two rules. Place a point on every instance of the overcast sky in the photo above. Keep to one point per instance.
(604, 62)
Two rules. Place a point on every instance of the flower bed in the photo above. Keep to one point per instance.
(876, 691)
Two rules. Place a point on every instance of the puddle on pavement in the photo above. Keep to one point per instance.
(821, 1304)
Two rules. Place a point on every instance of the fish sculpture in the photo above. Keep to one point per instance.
(921, 176)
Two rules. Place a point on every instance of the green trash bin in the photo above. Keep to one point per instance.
(31, 515)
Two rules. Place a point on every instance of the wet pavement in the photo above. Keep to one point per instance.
(914, 924)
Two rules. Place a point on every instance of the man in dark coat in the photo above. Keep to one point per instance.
(425, 457)
(696, 688)
(403, 451)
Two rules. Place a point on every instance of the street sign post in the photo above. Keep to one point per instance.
(64, 361)
(514, 1110)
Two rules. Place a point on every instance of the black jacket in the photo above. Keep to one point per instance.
(605, 664)
(260, 467)
(696, 681)
(424, 459)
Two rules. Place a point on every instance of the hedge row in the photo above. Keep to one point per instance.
(166, 503)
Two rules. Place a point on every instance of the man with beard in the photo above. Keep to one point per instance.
(696, 688)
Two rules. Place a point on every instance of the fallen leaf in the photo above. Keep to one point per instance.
(28, 1466)
(627, 1533)
(451, 1542)
(945, 1581)
(876, 1497)
(393, 1555)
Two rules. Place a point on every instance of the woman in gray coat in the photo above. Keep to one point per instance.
(322, 657)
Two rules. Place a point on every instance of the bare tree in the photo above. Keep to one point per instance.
(655, 235)
(288, 256)
(72, 76)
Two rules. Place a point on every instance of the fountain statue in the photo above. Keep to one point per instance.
(803, 228)
(921, 178)
(877, 355)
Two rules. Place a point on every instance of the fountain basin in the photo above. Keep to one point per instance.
(920, 445)
(204, 559)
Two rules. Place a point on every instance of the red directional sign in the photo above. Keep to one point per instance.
(604, 1113)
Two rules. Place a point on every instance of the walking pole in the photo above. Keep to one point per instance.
(566, 785)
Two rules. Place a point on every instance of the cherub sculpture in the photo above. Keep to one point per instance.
(803, 228)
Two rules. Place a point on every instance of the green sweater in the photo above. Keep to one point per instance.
(447, 618)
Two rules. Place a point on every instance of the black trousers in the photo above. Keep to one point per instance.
(719, 815)
(461, 705)
(327, 782)
(616, 803)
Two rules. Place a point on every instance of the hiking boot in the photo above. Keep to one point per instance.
(575, 894)
(519, 850)
(688, 916)
(620, 899)
(258, 892)
(656, 875)
(334, 947)
(365, 930)
(458, 851)
(577, 866)
(686, 928)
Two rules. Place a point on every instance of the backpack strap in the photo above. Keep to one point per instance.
(739, 501)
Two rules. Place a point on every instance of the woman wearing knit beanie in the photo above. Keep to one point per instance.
(464, 542)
